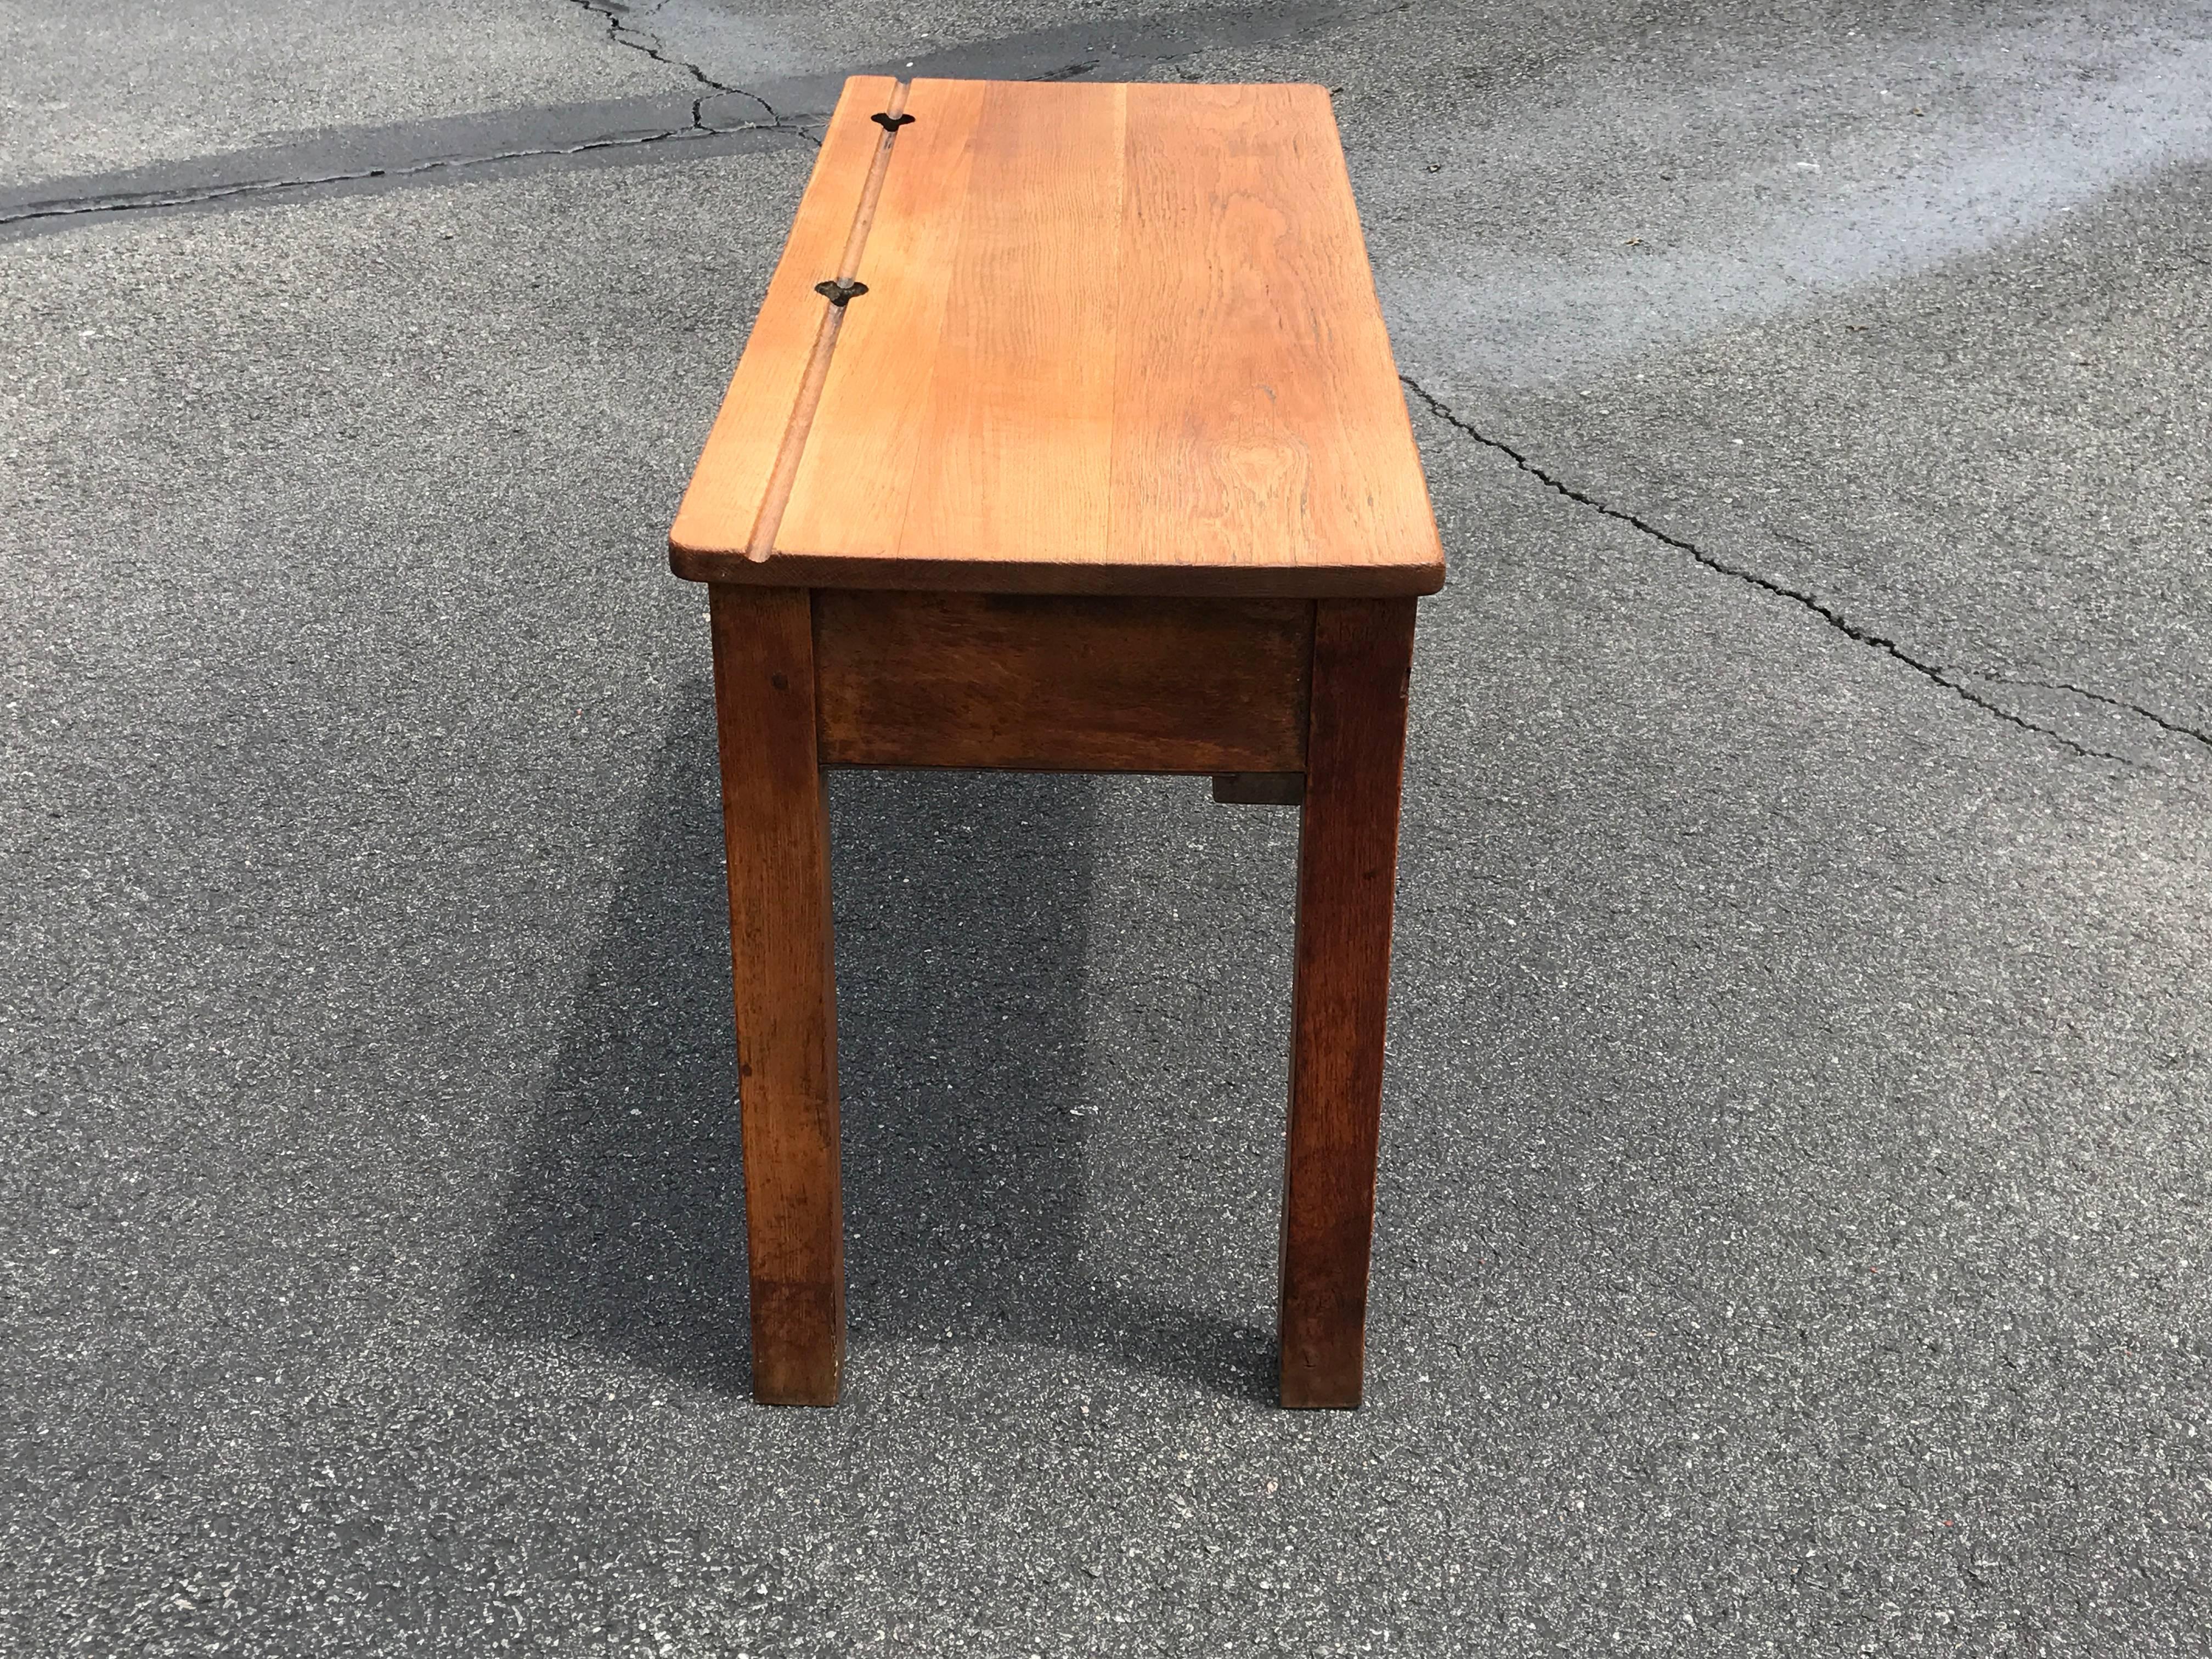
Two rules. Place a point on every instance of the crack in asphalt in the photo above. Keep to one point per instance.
(1947, 677)
(261, 186)
(2162, 722)
(1051, 54)
(622, 32)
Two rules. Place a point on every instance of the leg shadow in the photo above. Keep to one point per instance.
(625, 1224)
(962, 905)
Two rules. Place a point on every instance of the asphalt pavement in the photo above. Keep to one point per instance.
(1798, 1141)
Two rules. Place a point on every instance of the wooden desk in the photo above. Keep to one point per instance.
(1067, 439)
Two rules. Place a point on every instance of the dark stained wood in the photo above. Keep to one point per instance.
(776, 829)
(1044, 683)
(1347, 872)
(1259, 788)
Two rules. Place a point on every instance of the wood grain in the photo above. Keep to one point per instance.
(857, 473)
(1117, 339)
(769, 521)
(1020, 414)
(1001, 427)
(1258, 417)
(1347, 870)
(735, 471)
(775, 830)
(1061, 683)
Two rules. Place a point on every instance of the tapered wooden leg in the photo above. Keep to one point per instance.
(777, 831)
(1347, 868)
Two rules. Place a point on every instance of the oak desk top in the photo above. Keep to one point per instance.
(1069, 338)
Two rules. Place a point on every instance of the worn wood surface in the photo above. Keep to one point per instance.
(1117, 339)
(776, 832)
(1347, 871)
(1061, 683)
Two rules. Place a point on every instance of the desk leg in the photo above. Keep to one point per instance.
(1347, 867)
(776, 829)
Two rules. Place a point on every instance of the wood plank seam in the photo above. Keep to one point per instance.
(763, 541)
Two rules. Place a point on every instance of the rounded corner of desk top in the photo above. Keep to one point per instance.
(694, 562)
